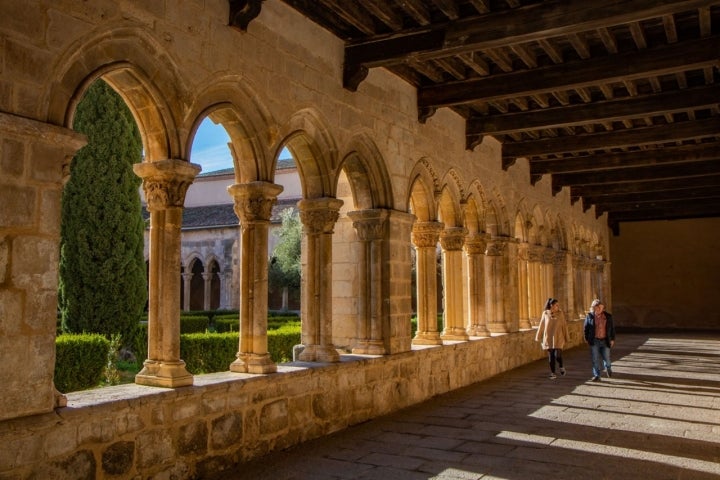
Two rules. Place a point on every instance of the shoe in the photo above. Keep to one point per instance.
(552, 376)
(595, 379)
(562, 372)
(608, 372)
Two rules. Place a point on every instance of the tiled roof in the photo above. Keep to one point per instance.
(216, 216)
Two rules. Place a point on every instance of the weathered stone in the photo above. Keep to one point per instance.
(118, 458)
(193, 438)
(80, 465)
(226, 430)
(274, 417)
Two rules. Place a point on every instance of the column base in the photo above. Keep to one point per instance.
(525, 324)
(253, 363)
(371, 347)
(455, 334)
(497, 327)
(319, 353)
(478, 331)
(164, 374)
(427, 338)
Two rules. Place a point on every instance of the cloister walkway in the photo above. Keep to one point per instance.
(658, 417)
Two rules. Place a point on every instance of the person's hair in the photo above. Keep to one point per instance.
(550, 302)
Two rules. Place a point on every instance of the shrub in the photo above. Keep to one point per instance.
(194, 324)
(80, 361)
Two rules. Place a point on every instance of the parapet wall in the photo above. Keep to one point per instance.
(134, 431)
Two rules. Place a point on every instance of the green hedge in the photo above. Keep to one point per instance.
(80, 361)
(194, 324)
(214, 352)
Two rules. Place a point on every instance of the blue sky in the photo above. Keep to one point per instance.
(210, 150)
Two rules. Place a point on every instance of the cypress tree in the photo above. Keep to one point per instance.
(102, 284)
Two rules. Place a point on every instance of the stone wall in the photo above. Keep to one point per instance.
(133, 431)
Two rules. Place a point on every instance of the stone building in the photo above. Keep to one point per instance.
(377, 186)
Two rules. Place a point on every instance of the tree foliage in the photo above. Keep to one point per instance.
(285, 265)
(102, 284)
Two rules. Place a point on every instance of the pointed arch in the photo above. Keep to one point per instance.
(365, 170)
(451, 200)
(422, 192)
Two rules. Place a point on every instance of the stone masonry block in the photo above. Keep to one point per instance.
(226, 430)
(19, 203)
(193, 438)
(12, 161)
(274, 417)
(31, 258)
(117, 459)
(154, 447)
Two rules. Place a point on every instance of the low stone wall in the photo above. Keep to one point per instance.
(131, 431)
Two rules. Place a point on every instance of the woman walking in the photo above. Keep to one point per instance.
(554, 333)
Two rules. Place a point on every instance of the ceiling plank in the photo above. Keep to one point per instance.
(577, 191)
(694, 54)
(688, 130)
(501, 29)
(597, 163)
(609, 110)
(653, 196)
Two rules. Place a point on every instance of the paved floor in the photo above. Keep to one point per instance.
(658, 417)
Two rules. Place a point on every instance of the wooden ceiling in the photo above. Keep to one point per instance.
(617, 100)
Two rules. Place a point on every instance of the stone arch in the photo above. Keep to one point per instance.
(144, 77)
(475, 209)
(500, 218)
(423, 191)
(450, 199)
(365, 170)
(232, 103)
(540, 229)
(309, 140)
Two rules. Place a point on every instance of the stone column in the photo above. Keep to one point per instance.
(207, 290)
(253, 206)
(474, 250)
(187, 280)
(318, 216)
(451, 241)
(372, 288)
(535, 301)
(495, 285)
(225, 289)
(165, 184)
(523, 287)
(425, 236)
(560, 282)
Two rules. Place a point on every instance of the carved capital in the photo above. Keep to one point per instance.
(369, 224)
(476, 244)
(319, 215)
(254, 200)
(165, 183)
(453, 238)
(426, 234)
(497, 247)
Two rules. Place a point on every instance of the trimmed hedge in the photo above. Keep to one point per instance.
(194, 324)
(80, 361)
(214, 352)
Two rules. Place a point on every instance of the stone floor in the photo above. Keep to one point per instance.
(658, 417)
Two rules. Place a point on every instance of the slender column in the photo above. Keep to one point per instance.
(425, 237)
(253, 206)
(548, 264)
(165, 184)
(523, 287)
(207, 279)
(318, 216)
(225, 289)
(535, 302)
(474, 250)
(451, 241)
(371, 229)
(560, 281)
(494, 286)
(187, 279)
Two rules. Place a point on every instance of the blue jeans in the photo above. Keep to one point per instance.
(600, 350)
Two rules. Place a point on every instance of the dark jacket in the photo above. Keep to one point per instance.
(590, 328)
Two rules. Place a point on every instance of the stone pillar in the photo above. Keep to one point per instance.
(535, 301)
(398, 337)
(373, 284)
(561, 283)
(474, 250)
(523, 287)
(187, 280)
(548, 265)
(451, 241)
(425, 236)
(34, 162)
(225, 289)
(165, 184)
(253, 206)
(318, 216)
(207, 290)
(498, 285)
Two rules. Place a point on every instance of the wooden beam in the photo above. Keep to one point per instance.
(686, 153)
(630, 137)
(519, 25)
(633, 206)
(679, 172)
(670, 213)
(578, 191)
(609, 110)
(649, 197)
(679, 57)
